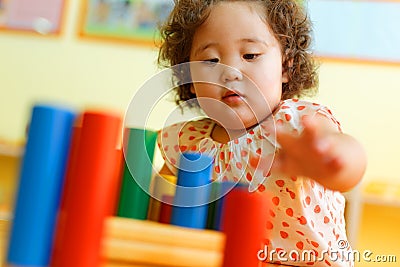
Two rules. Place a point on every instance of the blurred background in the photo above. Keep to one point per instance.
(82, 54)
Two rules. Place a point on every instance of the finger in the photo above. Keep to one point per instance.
(310, 128)
(334, 164)
(284, 138)
(322, 146)
(319, 142)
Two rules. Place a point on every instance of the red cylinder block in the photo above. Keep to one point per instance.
(244, 221)
(90, 191)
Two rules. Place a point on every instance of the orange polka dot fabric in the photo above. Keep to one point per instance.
(306, 226)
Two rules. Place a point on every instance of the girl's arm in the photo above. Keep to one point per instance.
(334, 159)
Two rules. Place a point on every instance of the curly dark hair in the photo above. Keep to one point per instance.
(287, 20)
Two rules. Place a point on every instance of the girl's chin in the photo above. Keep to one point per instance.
(232, 117)
(237, 125)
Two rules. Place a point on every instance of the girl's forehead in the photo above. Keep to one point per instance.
(230, 23)
(248, 8)
(235, 15)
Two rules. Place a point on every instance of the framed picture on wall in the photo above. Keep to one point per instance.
(134, 21)
(40, 16)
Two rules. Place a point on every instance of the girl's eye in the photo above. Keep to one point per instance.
(250, 56)
(211, 61)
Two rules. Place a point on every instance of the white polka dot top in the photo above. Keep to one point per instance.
(306, 226)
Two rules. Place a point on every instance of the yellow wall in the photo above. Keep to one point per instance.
(66, 69)
(365, 99)
(84, 73)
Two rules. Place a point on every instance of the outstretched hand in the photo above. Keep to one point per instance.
(333, 159)
(312, 153)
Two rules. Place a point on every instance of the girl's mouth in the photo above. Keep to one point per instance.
(231, 97)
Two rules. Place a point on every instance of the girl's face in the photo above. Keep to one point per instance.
(249, 90)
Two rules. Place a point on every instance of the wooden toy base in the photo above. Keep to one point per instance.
(135, 243)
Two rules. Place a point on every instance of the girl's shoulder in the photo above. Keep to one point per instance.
(194, 127)
(298, 105)
(290, 112)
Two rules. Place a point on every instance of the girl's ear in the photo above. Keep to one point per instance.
(285, 74)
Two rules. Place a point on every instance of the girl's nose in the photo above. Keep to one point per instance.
(230, 74)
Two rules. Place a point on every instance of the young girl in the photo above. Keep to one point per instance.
(251, 62)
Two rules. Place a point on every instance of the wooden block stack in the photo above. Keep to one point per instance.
(129, 242)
